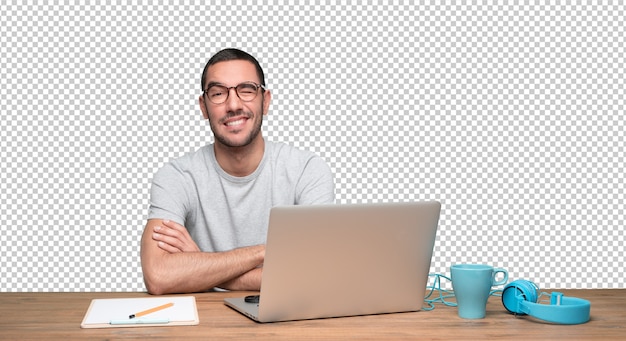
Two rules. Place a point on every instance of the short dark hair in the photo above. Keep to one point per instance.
(232, 54)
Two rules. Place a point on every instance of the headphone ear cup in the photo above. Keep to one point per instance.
(516, 292)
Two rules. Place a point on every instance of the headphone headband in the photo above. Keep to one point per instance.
(520, 297)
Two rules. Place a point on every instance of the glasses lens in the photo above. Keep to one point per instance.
(217, 94)
(247, 91)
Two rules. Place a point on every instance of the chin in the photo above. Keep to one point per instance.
(236, 143)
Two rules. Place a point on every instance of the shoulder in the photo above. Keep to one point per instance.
(188, 163)
(283, 151)
(310, 175)
(295, 159)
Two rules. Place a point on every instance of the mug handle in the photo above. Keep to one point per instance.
(503, 280)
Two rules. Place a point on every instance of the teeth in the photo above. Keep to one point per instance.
(234, 123)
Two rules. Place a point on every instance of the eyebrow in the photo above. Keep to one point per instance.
(214, 83)
(210, 84)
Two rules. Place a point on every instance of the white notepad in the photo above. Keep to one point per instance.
(115, 312)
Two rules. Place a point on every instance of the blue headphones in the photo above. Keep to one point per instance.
(520, 297)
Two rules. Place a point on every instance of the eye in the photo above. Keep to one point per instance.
(216, 91)
(246, 89)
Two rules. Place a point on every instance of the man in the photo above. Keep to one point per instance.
(209, 209)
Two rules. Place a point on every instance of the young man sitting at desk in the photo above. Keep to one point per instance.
(209, 209)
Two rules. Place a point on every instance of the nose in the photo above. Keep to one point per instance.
(233, 102)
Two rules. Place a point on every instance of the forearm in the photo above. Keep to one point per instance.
(185, 272)
(250, 280)
(200, 271)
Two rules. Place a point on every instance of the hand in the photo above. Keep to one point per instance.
(173, 237)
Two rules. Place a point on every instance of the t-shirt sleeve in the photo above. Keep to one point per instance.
(316, 184)
(168, 197)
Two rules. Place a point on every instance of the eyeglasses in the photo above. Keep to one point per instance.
(246, 91)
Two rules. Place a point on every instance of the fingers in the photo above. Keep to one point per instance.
(166, 242)
(169, 248)
(173, 237)
(168, 232)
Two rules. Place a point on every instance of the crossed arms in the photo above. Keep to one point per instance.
(173, 263)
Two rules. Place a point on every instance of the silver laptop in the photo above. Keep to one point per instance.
(344, 260)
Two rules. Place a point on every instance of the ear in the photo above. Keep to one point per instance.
(267, 98)
(205, 114)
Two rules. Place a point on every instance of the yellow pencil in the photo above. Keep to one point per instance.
(151, 310)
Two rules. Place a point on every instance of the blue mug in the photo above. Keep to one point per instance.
(471, 284)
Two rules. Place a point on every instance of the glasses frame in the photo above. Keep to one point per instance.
(256, 93)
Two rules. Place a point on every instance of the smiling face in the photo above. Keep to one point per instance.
(235, 123)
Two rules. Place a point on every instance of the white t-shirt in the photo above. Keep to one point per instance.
(223, 212)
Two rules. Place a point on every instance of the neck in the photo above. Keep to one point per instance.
(240, 161)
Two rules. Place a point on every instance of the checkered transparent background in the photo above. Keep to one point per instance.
(511, 115)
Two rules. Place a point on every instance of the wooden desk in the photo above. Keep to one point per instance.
(45, 316)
